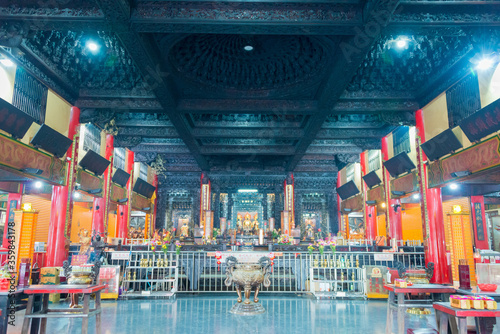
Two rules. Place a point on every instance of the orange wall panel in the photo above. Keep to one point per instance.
(41, 205)
(112, 224)
(411, 219)
(82, 218)
(381, 225)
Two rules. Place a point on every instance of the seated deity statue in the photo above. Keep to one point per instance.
(309, 230)
(185, 230)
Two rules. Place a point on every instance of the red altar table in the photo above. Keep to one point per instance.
(397, 300)
(445, 313)
(46, 313)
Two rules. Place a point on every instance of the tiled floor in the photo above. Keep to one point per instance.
(202, 314)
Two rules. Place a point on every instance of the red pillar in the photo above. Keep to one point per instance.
(100, 207)
(370, 210)
(339, 200)
(153, 218)
(62, 204)
(393, 211)
(479, 222)
(371, 222)
(124, 210)
(432, 214)
(13, 203)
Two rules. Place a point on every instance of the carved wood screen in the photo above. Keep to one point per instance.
(30, 95)
(401, 140)
(119, 158)
(92, 138)
(463, 99)
(373, 160)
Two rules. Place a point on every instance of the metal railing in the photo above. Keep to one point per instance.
(200, 272)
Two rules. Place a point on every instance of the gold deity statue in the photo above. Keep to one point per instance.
(185, 230)
(247, 224)
(255, 224)
(85, 240)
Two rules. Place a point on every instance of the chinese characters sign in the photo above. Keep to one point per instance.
(479, 221)
(483, 122)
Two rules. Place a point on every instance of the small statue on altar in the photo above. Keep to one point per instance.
(140, 233)
(85, 240)
(309, 230)
(185, 230)
(255, 224)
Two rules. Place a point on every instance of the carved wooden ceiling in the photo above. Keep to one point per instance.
(247, 86)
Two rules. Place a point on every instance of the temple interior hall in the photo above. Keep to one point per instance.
(254, 166)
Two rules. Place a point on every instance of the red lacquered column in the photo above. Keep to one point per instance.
(339, 212)
(14, 203)
(100, 207)
(432, 214)
(62, 204)
(370, 210)
(124, 210)
(153, 218)
(395, 230)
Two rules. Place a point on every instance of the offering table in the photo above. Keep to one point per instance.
(457, 318)
(397, 300)
(46, 313)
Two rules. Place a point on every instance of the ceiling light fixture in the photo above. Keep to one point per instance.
(483, 61)
(7, 62)
(248, 48)
(92, 46)
(416, 196)
(247, 190)
(76, 195)
(453, 186)
(38, 184)
(484, 64)
(383, 205)
(402, 42)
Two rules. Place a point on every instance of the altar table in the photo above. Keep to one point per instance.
(46, 313)
(396, 300)
(445, 313)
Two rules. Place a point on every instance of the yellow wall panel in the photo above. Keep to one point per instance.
(57, 116)
(435, 116)
(7, 76)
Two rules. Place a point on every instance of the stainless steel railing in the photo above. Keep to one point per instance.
(200, 272)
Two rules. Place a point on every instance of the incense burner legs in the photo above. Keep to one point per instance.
(246, 276)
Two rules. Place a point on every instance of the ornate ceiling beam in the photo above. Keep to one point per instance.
(353, 133)
(46, 17)
(260, 150)
(163, 149)
(246, 18)
(157, 132)
(237, 106)
(143, 123)
(350, 54)
(247, 133)
(363, 143)
(119, 103)
(351, 106)
(445, 14)
(147, 60)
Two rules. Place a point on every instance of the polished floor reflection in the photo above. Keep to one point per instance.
(209, 314)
